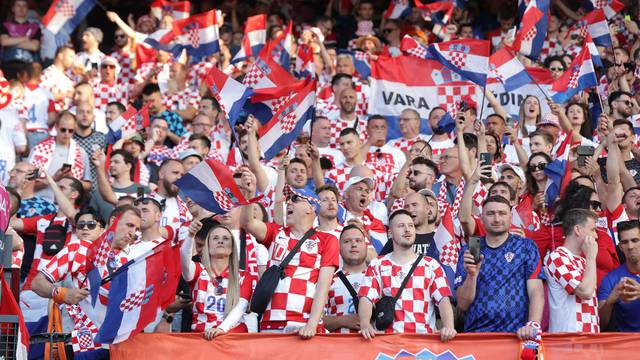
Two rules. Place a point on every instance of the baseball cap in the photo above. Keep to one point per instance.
(356, 179)
(189, 152)
(135, 138)
(549, 119)
(515, 169)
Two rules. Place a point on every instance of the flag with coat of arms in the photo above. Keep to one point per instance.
(64, 16)
(197, 34)
(469, 58)
(255, 37)
(579, 76)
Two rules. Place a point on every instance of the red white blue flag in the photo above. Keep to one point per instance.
(509, 70)
(397, 9)
(265, 103)
(610, 7)
(177, 9)
(64, 16)
(231, 94)
(305, 63)
(428, 10)
(198, 34)
(255, 37)
(580, 76)
(533, 29)
(266, 73)
(412, 47)
(281, 131)
(281, 48)
(211, 185)
(469, 58)
(594, 24)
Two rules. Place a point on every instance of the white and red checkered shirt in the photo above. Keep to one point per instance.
(415, 308)
(181, 100)
(339, 175)
(56, 81)
(210, 299)
(405, 144)
(550, 47)
(106, 93)
(340, 301)
(159, 153)
(127, 72)
(569, 312)
(71, 260)
(338, 124)
(294, 294)
(197, 73)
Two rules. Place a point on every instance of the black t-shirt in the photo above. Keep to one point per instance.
(632, 165)
(424, 244)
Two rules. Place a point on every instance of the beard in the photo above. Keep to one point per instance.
(171, 189)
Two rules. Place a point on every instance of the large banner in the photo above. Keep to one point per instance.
(384, 347)
(407, 82)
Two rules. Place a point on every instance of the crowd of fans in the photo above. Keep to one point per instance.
(517, 261)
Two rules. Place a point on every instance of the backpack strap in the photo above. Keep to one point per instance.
(347, 284)
(406, 278)
(295, 250)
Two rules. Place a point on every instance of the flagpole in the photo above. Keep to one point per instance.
(484, 95)
(101, 5)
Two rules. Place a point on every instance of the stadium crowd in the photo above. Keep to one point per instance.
(524, 223)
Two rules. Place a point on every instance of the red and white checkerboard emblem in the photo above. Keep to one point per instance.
(136, 299)
(360, 55)
(66, 9)
(599, 4)
(288, 122)
(448, 96)
(575, 74)
(223, 200)
(417, 52)
(194, 36)
(530, 34)
(253, 77)
(458, 59)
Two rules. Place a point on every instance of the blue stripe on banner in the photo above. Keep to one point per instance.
(393, 127)
(81, 13)
(113, 318)
(36, 351)
(584, 82)
(198, 192)
(287, 139)
(94, 285)
(203, 50)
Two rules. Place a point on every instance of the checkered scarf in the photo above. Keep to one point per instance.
(84, 330)
(43, 153)
(442, 198)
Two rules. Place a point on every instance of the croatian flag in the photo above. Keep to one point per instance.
(9, 306)
(255, 37)
(610, 7)
(280, 49)
(509, 70)
(580, 76)
(198, 34)
(448, 245)
(211, 185)
(97, 257)
(139, 290)
(593, 50)
(265, 103)
(429, 9)
(128, 123)
(533, 29)
(595, 24)
(397, 9)
(286, 124)
(178, 10)
(361, 62)
(64, 16)
(266, 73)
(231, 94)
(469, 58)
(559, 172)
(412, 47)
(146, 50)
(305, 64)
(446, 124)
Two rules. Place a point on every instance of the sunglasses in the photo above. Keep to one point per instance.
(387, 31)
(556, 69)
(147, 200)
(64, 130)
(91, 225)
(625, 102)
(296, 198)
(108, 66)
(595, 204)
(537, 167)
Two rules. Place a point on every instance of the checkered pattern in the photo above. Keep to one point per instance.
(574, 50)
(294, 294)
(338, 125)
(288, 123)
(209, 307)
(176, 125)
(564, 274)
(458, 59)
(71, 260)
(175, 211)
(160, 153)
(56, 81)
(479, 195)
(144, 70)
(253, 76)
(223, 200)
(414, 311)
(573, 80)
(16, 258)
(84, 330)
(443, 201)
(127, 72)
(418, 52)
(529, 35)
(66, 9)
(550, 47)
(37, 225)
(194, 36)
(405, 144)
(188, 97)
(340, 301)
(133, 300)
(106, 93)
(448, 96)
(197, 73)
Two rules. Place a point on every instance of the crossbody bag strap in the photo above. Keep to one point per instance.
(295, 249)
(243, 250)
(406, 278)
(349, 287)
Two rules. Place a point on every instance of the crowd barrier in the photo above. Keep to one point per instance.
(479, 346)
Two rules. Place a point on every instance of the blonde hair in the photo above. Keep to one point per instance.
(233, 284)
(521, 123)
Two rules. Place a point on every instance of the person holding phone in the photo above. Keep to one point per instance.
(502, 291)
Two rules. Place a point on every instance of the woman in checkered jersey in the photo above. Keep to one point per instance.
(220, 290)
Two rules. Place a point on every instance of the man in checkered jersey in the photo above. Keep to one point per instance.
(571, 274)
(298, 302)
(409, 125)
(503, 291)
(179, 97)
(341, 310)
(331, 104)
(106, 88)
(346, 117)
(426, 289)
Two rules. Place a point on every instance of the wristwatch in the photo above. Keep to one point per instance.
(168, 318)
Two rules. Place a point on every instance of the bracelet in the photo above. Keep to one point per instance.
(533, 324)
(60, 293)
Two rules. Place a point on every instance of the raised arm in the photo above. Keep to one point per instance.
(63, 202)
(558, 111)
(465, 214)
(254, 226)
(495, 104)
(278, 210)
(253, 154)
(98, 160)
(187, 265)
(114, 17)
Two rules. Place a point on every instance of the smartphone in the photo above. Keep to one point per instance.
(66, 167)
(485, 159)
(94, 66)
(583, 151)
(463, 106)
(510, 122)
(34, 175)
(474, 248)
(185, 296)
